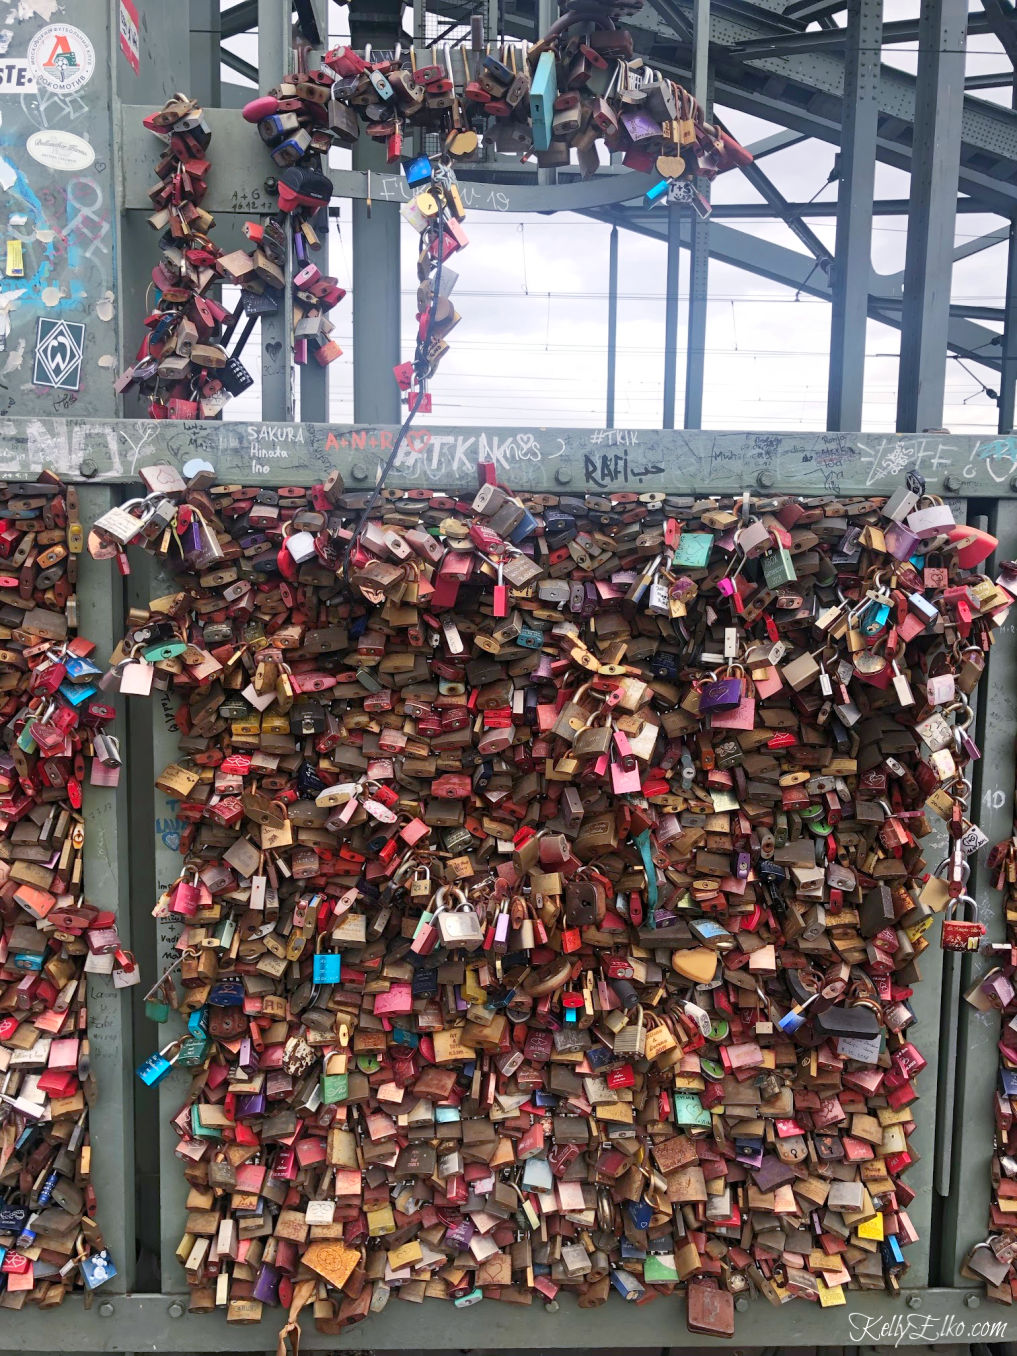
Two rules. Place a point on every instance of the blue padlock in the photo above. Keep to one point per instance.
(97, 1269)
(327, 967)
(875, 618)
(627, 1285)
(157, 1066)
(530, 639)
(76, 693)
(418, 171)
(80, 670)
(657, 193)
(227, 993)
(640, 1213)
(526, 525)
(12, 1218)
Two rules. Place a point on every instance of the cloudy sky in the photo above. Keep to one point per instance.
(532, 293)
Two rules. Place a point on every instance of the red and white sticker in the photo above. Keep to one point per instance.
(130, 42)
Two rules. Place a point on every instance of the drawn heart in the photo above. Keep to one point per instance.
(273, 348)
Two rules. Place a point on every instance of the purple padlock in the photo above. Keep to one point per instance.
(251, 1104)
(721, 694)
(266, 1287)
(460, 1233)
(247, 1060)
(501, 929)
(900, 540)
(998, 990)
(640, 126)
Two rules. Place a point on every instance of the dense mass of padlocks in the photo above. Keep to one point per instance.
(184, 363)
(581, 84)
(553, 886)
(54, 720)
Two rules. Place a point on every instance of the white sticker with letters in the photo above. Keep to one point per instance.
(16, 76)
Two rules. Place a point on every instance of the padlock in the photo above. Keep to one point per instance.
(961, 934)
(157, 1067)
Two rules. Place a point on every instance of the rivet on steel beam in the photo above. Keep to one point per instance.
(972, 1301)
(176, 1310)
(914, 1301)
(89, 469)
(765, 480)
(359, 471)
(563, 475)
(106, 1310)
(952, 484)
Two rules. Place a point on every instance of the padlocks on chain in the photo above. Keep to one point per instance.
(579, 84)
(183, 363)
(552, 888)
(54, 740)
(296, 122)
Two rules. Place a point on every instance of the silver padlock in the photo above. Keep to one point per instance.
(457, 921)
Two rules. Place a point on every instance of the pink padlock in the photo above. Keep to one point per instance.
(940, 688)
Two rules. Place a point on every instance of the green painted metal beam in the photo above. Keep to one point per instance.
(137, 1323)
(528, 458)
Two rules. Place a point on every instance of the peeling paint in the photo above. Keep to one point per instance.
(36, 9)
(15, 359)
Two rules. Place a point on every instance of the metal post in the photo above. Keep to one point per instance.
(206, 35)
(674, 235)
(100, 609)
(376, 258)
(1008, 370)
(314, 378)
(274, 28)
(969, 1139)
(546, 16)
(852, 264)
(935, 168)
(612, 323)
(699, 255)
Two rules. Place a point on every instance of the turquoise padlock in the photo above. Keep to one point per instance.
(168, 649)
(693, 550)
(327, 967)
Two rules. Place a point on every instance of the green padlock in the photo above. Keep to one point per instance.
(778, 567)
(194, 1051)
(167, 649)
(689, 1111)
(334, 1088)
(157, 1009)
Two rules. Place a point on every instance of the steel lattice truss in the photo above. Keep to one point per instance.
(814, 68)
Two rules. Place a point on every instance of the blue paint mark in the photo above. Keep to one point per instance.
(997, 447)
(47, 272)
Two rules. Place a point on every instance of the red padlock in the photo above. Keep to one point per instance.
(959, 934)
